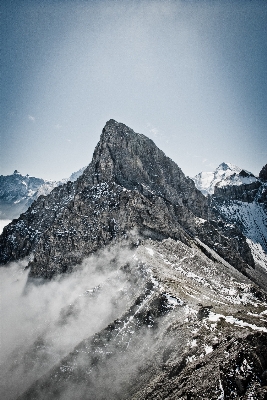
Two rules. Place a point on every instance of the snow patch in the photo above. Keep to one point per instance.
(226, 174)
(3, 223)
(150, 251)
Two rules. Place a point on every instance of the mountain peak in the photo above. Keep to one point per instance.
(228, 166)
(226, 174)
(113, 128)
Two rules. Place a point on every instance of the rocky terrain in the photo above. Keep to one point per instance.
(179, 306)
(240, 198)
(130, 184)
(184, 327)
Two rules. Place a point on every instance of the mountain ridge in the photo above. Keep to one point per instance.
(134, 287)
(127, 168)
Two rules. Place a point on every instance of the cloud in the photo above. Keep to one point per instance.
(40, 324)
(31, 118)
(152, 129)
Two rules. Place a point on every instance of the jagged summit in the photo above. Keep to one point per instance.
(118, 128)
(134, 161)
(165, 308)
(129, 185)
(226, 165)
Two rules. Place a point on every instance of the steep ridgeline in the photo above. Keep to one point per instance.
(17, 192)
(130, 188)
(240, 198)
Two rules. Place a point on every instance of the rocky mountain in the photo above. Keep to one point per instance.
(17, 192)
(134, 287)
(130, 184)
(241, 198)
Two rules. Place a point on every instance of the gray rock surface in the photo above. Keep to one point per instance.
(129, 185)
(184, 303)
(263, 173)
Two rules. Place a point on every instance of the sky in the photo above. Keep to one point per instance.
(191, 75)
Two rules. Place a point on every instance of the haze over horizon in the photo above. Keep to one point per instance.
(192, 76)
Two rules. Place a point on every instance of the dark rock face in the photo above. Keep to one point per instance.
(245, 193)
(129, 185)
(263, 173)
(244, 205)
(216, 376)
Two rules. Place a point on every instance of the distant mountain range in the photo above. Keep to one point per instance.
(17, 192)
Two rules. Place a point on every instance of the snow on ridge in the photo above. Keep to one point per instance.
(226, 174)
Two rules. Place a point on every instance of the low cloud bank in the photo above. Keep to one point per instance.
(41, 323)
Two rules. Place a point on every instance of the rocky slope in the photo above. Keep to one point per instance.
(162, 300)
(17, 192)
(184, 327)
(129, 185)
(242, 201)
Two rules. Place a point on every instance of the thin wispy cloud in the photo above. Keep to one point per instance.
(152, 129)
(31, 118)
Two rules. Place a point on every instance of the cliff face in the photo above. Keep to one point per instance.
(263, 173)
(245, 192)
(246, 206)
(130, 185)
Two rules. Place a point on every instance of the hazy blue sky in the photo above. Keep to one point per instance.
(191, 75)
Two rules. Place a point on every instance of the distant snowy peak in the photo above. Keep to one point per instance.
(226, 174)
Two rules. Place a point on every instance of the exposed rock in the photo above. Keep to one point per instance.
(263, 173)
(246, 193)
(130, 184)
(166, 344)
(239, 198)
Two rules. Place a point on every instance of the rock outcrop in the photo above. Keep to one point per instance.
(263, 173)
